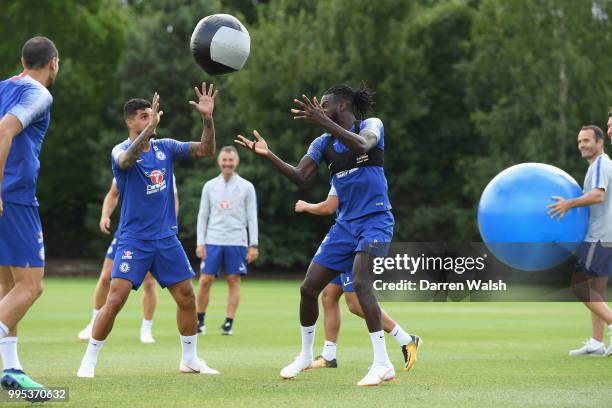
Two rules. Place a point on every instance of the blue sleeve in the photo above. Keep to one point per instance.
(117, 150)
(375, 126)
(179, 150)
(316, 149)
(33, 104)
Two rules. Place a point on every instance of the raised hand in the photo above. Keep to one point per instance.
(259, 145)
(206, 100)
(156, 114)
(311, 111)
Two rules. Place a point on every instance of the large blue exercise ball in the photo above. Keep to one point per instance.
(514, 221)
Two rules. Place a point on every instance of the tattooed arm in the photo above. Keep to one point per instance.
(206, 146)
(205, 105)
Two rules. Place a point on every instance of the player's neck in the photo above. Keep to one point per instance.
(595, 156)
(39, 75)
(227, 177)
(347, 121)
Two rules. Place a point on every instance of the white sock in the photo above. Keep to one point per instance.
(609, 327)
(329, 350)
(4, 330)
(93, 348)
(8, 352)
(308, 335)
(594, 344)
(380, 348)
(190, 347)
(400, 336)
(147, 324)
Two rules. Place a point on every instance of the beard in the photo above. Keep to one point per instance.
(334, 117)
(51, 83)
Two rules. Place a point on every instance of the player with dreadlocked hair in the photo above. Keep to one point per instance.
(360, 100)
(354, 152)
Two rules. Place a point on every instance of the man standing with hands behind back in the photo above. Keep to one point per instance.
(227, 209)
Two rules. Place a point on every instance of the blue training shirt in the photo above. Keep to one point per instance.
(30, 102)
(146, 190)
(362, 190)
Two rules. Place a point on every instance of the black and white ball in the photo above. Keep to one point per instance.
(220, 44)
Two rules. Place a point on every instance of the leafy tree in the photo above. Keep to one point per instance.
(90, 39)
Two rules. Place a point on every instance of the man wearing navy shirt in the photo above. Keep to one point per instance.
(143, 168)
(25, 114)
(354, 152)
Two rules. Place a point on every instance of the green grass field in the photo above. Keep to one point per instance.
(474, 355)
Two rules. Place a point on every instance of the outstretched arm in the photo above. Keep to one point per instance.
(304, 171)
(205, 106)
(127, 158)
(327, 207)
(313, 112)
(558, 209)
(10, 127)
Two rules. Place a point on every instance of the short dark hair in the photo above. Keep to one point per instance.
(134, 105)
(37, 52)
(599, 134)
(361, 99)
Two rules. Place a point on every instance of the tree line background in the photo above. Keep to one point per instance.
(465, 88)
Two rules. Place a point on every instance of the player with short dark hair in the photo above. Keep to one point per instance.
(593, 256)
(143, 167)
(25, 114)
(354, 152)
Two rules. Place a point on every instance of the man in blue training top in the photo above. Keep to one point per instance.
(354, 152)
(143, 168)
(25, 114)
(330, 299)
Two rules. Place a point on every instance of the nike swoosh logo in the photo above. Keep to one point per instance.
(192, 369)
(187, 342)
(346, 283)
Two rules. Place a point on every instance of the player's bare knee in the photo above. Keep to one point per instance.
(148, 285)
(34, 290)
(233, 281)
(307, 291)
(205, 282)
(354, 307)
(114, 303)
(186, 301)
(326, 300)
